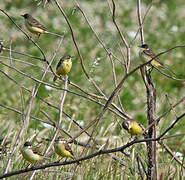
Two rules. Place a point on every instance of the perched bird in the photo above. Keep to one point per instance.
(62, 148)
(132, 127)
(147, 54)
(34, 26)
(30, 154)
(64, 66)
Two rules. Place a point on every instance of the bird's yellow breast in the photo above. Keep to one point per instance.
(135, 129)
(60, 150)
(30, 156)
(34, 30)
(65, 67)
(146, 58)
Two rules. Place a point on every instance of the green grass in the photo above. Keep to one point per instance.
(163, 28)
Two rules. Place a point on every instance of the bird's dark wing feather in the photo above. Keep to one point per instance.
(34, 23)
(152, 55)
(35, 150)
(59, 63)
(68, 148)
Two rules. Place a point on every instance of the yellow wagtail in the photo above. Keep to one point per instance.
(30, 154)
(64, 66)
(34, 26)
(62, 148)
(147, 54)
(132, 127)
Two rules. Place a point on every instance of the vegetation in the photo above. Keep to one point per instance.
(163, 28)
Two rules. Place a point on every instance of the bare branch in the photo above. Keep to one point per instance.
(25, 34)
(121, 35)
(78, 50)
(119, 149)
(140, 21)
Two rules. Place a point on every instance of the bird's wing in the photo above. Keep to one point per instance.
(152, 55)
(68, 148)
(59, 63)
(35, 151)
(34, 23)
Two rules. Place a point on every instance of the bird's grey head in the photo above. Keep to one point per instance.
(26, 144)
(26, 16)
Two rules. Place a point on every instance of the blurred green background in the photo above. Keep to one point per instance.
(163, 28)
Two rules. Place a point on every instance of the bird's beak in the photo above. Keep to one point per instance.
(72, 57)
(22, 15)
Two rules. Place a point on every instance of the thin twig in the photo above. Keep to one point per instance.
(108, 51)
(115, 82)
(127, 65)
(139, 168)
(59, 88)
(171, 105)
(24, 54)
(172, 125)
(25, 34)
(36, 91)
(29, 38)
(172, 154)
(172, 136)
(119, 149)
(140, 21)
(170, 77)
(119, 87)
(165, 113)
(19, 112)
(23, 128)
(10, 53)
(145, 15)
(78, 50)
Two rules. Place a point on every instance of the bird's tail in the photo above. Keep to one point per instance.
(59, 35)
(72, 157)
(169, 70)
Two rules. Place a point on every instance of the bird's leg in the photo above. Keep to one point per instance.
(67, 78)
(130, 138)
(38, 35)
(135, 138)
